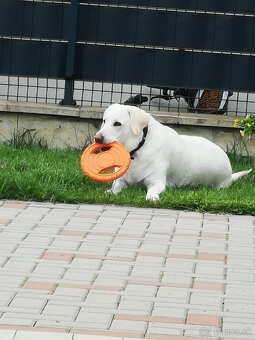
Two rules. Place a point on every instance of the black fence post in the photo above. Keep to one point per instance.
(70, 58)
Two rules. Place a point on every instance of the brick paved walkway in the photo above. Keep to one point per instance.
(82, 270)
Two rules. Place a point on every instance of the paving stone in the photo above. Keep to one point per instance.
(19, 266)
(89, 317)
(203, 270)
(177, 279)
(163, 330)
(7, 334)
(76, 275)
(140, 290)
(28, 303)
(127, 325)
(47, 272)
(206, 300)
(169, 312)
(146, 273)
(25, 335)
(179, 293)
(126, 271)
(13, 319)
(95, 299)
(11, 280)
(134, 305)
(54, 309)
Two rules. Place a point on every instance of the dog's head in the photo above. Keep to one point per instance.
(121, 123)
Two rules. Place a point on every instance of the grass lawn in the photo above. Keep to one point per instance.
(54, 175)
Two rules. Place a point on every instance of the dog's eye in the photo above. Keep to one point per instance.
(103, 121)
(117, 124)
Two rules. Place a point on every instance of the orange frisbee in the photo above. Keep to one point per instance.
(105, 162)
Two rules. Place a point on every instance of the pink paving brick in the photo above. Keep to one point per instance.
(151, 254)
(211, 256)
(158, 284)
(69, 256)
(14, 205)
(39, 285)
(4, 221)
(113, 234)
(57, 256)
(162, 319)
(100, 233)
(213, 235)
(209, 217)
(72, 233)
(179, 256)
(204, 320)
(208, 285)
(49, 329)
(98, 257)
(89, 287)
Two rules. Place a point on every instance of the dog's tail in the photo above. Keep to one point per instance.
(240, 174)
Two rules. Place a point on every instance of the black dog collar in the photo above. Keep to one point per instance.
(145, 131)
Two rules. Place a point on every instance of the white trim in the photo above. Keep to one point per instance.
(197, 98)
(224, 99)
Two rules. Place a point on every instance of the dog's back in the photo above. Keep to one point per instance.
(202, 163)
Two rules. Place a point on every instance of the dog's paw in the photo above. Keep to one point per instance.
(152, 197)
(109, 191)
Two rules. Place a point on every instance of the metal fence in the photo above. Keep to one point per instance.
(99, 52)
(45, 90)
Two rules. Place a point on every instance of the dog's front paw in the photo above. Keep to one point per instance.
(151, 196)
(109, 191)
(112, 191)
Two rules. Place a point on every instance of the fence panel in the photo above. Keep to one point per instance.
(164, 43)
(226, 6)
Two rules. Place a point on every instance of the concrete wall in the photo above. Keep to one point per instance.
(62, 127)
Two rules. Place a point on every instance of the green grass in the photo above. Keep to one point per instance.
(33, 173)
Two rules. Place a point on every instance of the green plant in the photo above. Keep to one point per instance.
(237, 147)
(27, 138)
(247, 126)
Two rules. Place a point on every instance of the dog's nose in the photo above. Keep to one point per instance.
(98, 139)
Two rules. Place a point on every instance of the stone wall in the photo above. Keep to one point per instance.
(62, 127)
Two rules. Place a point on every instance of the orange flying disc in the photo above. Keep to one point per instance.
(105, 162)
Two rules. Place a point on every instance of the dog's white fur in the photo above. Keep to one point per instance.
(166, 159)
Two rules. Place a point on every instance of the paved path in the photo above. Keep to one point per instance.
(78, 271)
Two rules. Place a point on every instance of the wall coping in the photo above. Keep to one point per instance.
(87, 112)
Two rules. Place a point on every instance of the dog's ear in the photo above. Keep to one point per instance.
(138, 119)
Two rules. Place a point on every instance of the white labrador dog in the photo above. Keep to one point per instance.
(161, 157)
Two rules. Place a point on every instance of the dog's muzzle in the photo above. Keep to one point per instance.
(99, 139)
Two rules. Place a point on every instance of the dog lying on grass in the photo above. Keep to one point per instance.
(160, 156)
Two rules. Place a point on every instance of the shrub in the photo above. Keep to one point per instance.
(247, 126)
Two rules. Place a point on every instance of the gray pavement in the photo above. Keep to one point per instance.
(78, 272)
